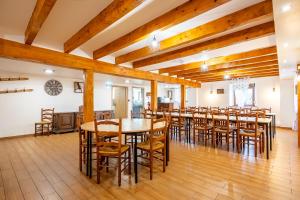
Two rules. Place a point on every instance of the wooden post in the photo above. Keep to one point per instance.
(298, 95)
(153, 95)
(183, 94)
(88, 96)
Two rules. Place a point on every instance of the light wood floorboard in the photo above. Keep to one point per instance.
(47, 168)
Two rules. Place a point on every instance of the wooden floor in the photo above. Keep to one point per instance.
(47, 168)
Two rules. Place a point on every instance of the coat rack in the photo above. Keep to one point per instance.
(15, 91)
(13, 78)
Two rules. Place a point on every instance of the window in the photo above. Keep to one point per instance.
(244, 96)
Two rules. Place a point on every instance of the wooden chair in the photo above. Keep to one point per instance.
(155, 146)
(222, 128)
(248, 131)
(107, 115)
(83, 141)
(201, 125)
(177, 124)
(45, 126)
(108, 149)
(147, 114)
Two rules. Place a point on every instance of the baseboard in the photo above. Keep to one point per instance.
(16, 136)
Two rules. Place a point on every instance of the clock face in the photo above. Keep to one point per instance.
(53, 87)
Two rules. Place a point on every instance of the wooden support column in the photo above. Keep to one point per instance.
(153, 95)
(88, 96)
(183, 95)
(298, 95)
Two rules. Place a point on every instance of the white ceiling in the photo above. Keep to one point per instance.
(68, 16)
(287, 25)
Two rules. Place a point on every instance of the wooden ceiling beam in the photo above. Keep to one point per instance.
(239, 72)
(241, 76)
(18, 51)
(223, 59)
(246, 63)
(255, 32)
(242, 17)
(109, 15)
(225, 69)
(177, 15)
(40, 13)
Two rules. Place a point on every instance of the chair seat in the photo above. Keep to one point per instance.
(112, 150)
(250, 133)
(42, 122)
(146, 145)
(199, 127)
(224, 129)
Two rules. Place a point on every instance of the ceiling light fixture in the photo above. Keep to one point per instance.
(284, 61)
(48, 71)
(127, 81)
(226, 76)
(286, 8)
(285, 45)
(204, 67)
(154, 42)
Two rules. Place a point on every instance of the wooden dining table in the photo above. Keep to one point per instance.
(265, 122)
(133, 127)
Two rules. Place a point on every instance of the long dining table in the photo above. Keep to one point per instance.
(134, 127)
(265, 122)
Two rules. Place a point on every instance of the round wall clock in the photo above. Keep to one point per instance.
(53, 87)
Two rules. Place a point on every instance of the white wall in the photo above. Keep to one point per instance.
(19, 111)
(287, 111)
(281, 101)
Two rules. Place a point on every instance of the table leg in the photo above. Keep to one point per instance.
(167, 148)
(267, 140)
(90, 154)
(270, 132)
(87, 165)
(135, 159)
(274, 124)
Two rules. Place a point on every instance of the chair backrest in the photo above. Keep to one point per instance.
(108, 129)
(199, 118)
(79, 122)
(158, 131)
(47, 114)
(147, 114)
(221, 120)
(107, 115)
(248, 122)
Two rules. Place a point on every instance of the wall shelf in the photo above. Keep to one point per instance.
(15, 91)
(13, 78)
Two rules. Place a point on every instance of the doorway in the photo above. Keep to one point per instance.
(120, 101)
(137, 101)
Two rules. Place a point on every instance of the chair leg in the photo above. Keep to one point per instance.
(227, 141)
(80, 157)
(129, 161)
(119, 170)
(151, 164)
(98, 168)
(255, 146)
(107, 162)
(164, 159)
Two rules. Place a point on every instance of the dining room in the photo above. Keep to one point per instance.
(149, 99)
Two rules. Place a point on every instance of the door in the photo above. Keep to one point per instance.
(137, 101)
(120, 101)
